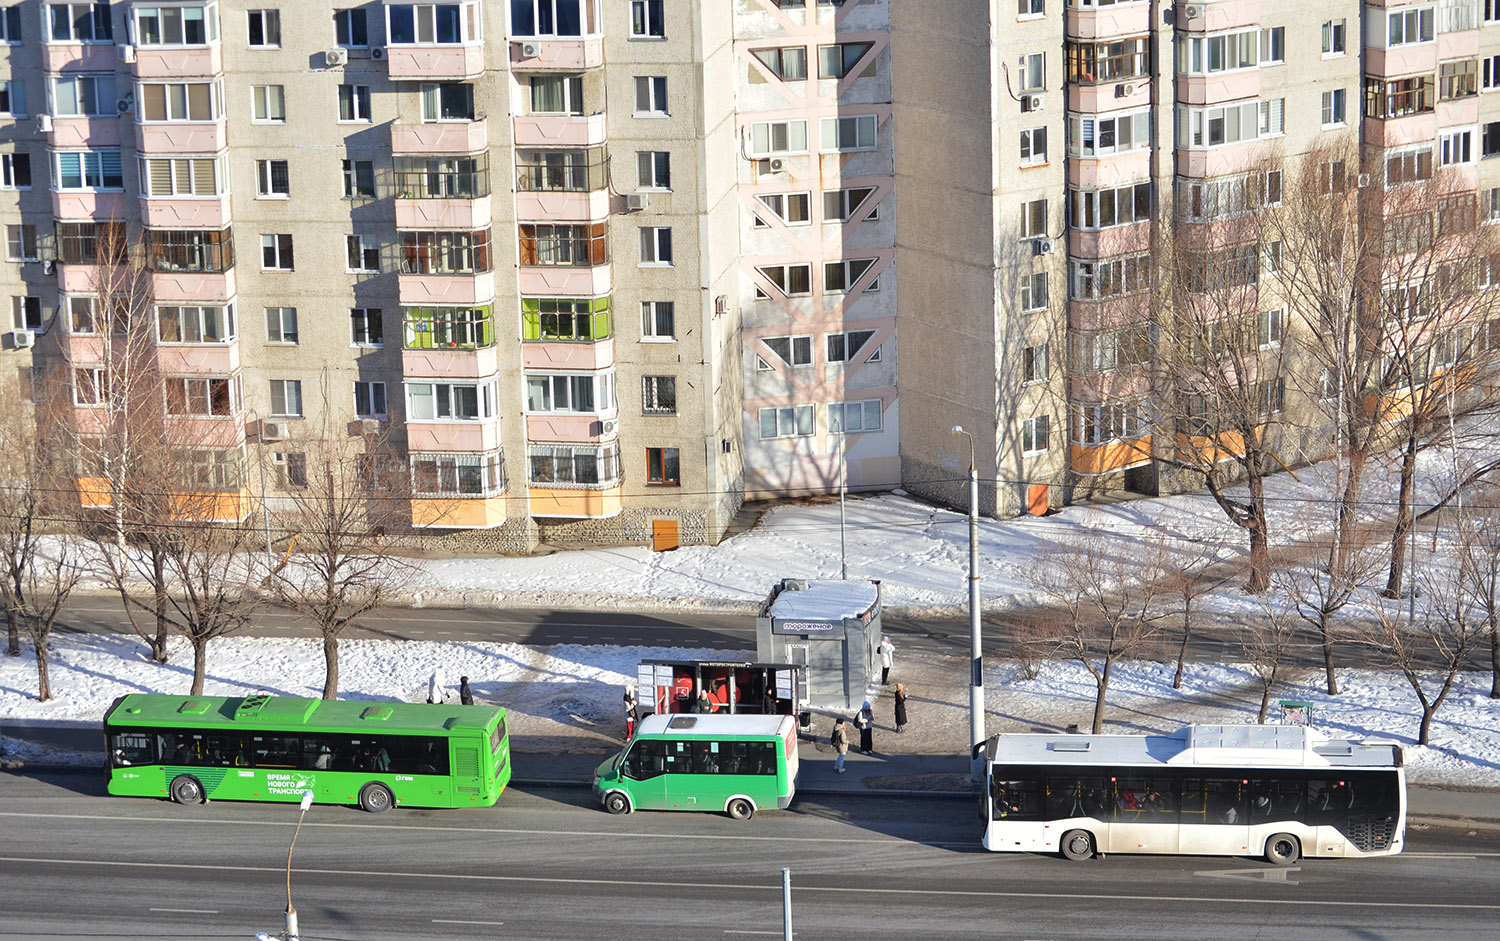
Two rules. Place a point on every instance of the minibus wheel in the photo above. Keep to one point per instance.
(376, 798)
(616, 803)
(1078, 844)
(740, 809)
(186, 790)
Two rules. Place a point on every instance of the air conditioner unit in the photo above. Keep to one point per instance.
(369, 426)
(21, 339)
(1192, 11)
(377, 53)
(44, 124)
(775, 165)
(125, 105)
(126, 52)
(1031, 102)
(273, 431)
(336, 57)
(609, 426)
(721, 305)
(1125, 90)
(1363, 179)
(530, 50)
(635, 202)
(1043, 246)
(49, 266)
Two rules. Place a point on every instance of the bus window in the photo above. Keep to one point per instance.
(1073, 795)
(431, 756)
(646, 759)
(1015, 799)
(1328, 800)
(1224, 800)
(706, 757)
(1373, 792)
(176, 749)
(132, 748)
(322, 753)
(370, 755)
(1278, 798)
(275, 751)
(225, 750)
(1145, 799)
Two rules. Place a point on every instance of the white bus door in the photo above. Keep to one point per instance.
(1214, 815)
(1144, 816)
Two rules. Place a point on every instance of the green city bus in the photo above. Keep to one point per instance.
(735, 763)
(273, 748)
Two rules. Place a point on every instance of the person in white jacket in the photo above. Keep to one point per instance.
(885, 650)
(435, 686)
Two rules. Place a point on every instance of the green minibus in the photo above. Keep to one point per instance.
(273, 748)
(735, 763)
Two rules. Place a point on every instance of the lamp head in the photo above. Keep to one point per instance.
(307, 799)
(958, 429)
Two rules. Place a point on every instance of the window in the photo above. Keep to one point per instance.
(10, 26)
(1117, 421)
(1455, 147)
(1034, 434)
(435, 23)
(179, 102)
(1034, 291)
(788, 63)
(790, 208)
(1272, 395)
(286, 398)
(1491, 72)
(20, 243)
(15, 171)
(1031, 7)
(1034, 219)
(1225, 52)
(656, 245)
(265, 28)
(1096, 63)
(26, 313)
(269, 104)
(843, 347)
(659, 395)
(1489, 141)
(350, 29)
(90, 170)
(1491, 12)
(1033, 146)
(1226, 197)
(662, 467)
(772, 138)
(653, 169)
(450, 401)
(1406, 27)
(580, 465)
(1270, 257)
(182, 176)
(80, 22)
(790, 280)
(856, 132)
(457, 475)
(787, 421)
(1098, 280)
(13, 99)
(281, 325)
(291, 470)
(650, 94)
(1103, 209)
(446, 252)
(437, 328)
(81, 315)
(362, 253)
(847, 418)
(841, 205)
(197, 324)
(1272, 117)
(794, 351)
(1270, 328)
(1458, 79)
(840, 59)
(1033, 72)
(1034, 364)
(369, 399)
(83, 95)
(1219, 125)
(1273, 46)
(564, 246)
(581, 319)
(1334, 114)
(554, 18)
(176, 25)
(467, 177)
(447, 101)
(1100, 135)
(276, 253)
(841, 276)
(359, 179)
(365, 327)
(202, 397)
(556, 94)
(1410, 165)
(271, 179)
(588, 394)
(657, 320)
(646, 19)
(354, 103)
(91, 385)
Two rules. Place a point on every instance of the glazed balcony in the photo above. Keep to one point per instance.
(554, 428)
(78, 57)
(1091, 460)
(440, 137)
(594, 281)
(446, 290)
(442, 213)
(559, 130)
(557, 55)
(192, 287)
(210, 359)
(72, 204)
(1107, 22)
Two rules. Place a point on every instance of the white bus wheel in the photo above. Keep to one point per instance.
(1282, 849)
(1078, 844)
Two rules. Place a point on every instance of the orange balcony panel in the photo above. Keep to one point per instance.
(451, 364)
(484, 513)
(209, 138)
(94, 492)
(443, 213)
(564, 282)
(559, 130)
(86, 132)
(567, 55)
(192, 286)
(553, 355)
(227, 507)
(577, 504)
(578, 429)
(176, 63)
(199, 432)
(219, 359)
(446, 290)
(1109, 457)
(452, 436)
(87, 206)
(186, 213)
(435, 63)
(447, 137)
(1210, 449)
(553, 205)
(77, 57)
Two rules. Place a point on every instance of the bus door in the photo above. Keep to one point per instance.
(1215, 814)
(1015, 804)
(695, 775)
(644, 774)
(1144, 816)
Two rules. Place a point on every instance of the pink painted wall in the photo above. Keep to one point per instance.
(449, 137)
(447, 289)
(435, 63)
(552, 205)
(182, 138)
(564, 54)
(450, 364)
(174, 63)
(568, 356)
(86, 132)
(219, 359)
(443, 213)
(559, 130)
(564, 282)
(454, 436)
(578, 429)
(193, 287)
(210, 213)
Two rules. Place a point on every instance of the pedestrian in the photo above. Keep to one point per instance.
(632, 715)
(705, 705)
(435, 686)
(885, 650)
(900, 707)
(865, 722)
(840, 742)
(465, 695)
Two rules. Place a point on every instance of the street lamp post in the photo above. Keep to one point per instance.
(843, 554)
(290, 931)
(976, 650)
(265, 512)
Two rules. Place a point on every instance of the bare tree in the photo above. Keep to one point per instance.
(1187, 579)
(1110, 599)
(1266, 645)
(211, 576)
(1324, 580)
(341, 566)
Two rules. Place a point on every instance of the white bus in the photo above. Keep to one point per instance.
(1281, 792)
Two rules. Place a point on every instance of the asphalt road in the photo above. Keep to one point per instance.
(549, 864)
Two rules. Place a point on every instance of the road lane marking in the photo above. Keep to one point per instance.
(840, 890)
(455, 921)
(188, 911)
(774, 934)
(1254, 875)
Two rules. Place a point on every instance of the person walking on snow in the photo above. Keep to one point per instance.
(465, 695)
(900, 707)
(865, 722)
(885, 650)
(840, 741)
(435, 686)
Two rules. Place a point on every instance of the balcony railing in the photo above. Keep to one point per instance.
(173, 251)
(578, 171)
(459, 177)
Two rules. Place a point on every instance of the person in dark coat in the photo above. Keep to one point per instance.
(865, 722)
(900, 707)
(465, 695)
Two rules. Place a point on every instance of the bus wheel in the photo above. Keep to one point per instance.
(376, 798)
(186, 790)
(741, 809)
(616, 803)
(1282, 849)
(1078, 844)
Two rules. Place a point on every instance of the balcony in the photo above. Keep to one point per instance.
(77, 57)
(482, 363)
(594, 281)
(440, 137)
(85, 132)
(169, 287)
(480, 513)
(558, 503)
(177, 62)
(186, 212)
(73, 204)
(209, 137)
(559, 130)
(446, 290)
(562, 55)
(1111, 456)
(216, 359)
(454, 213)
(575, 429)
(1217, 15)
(557, 356)
(475, 436)
(455, 63)
(1107, 22)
